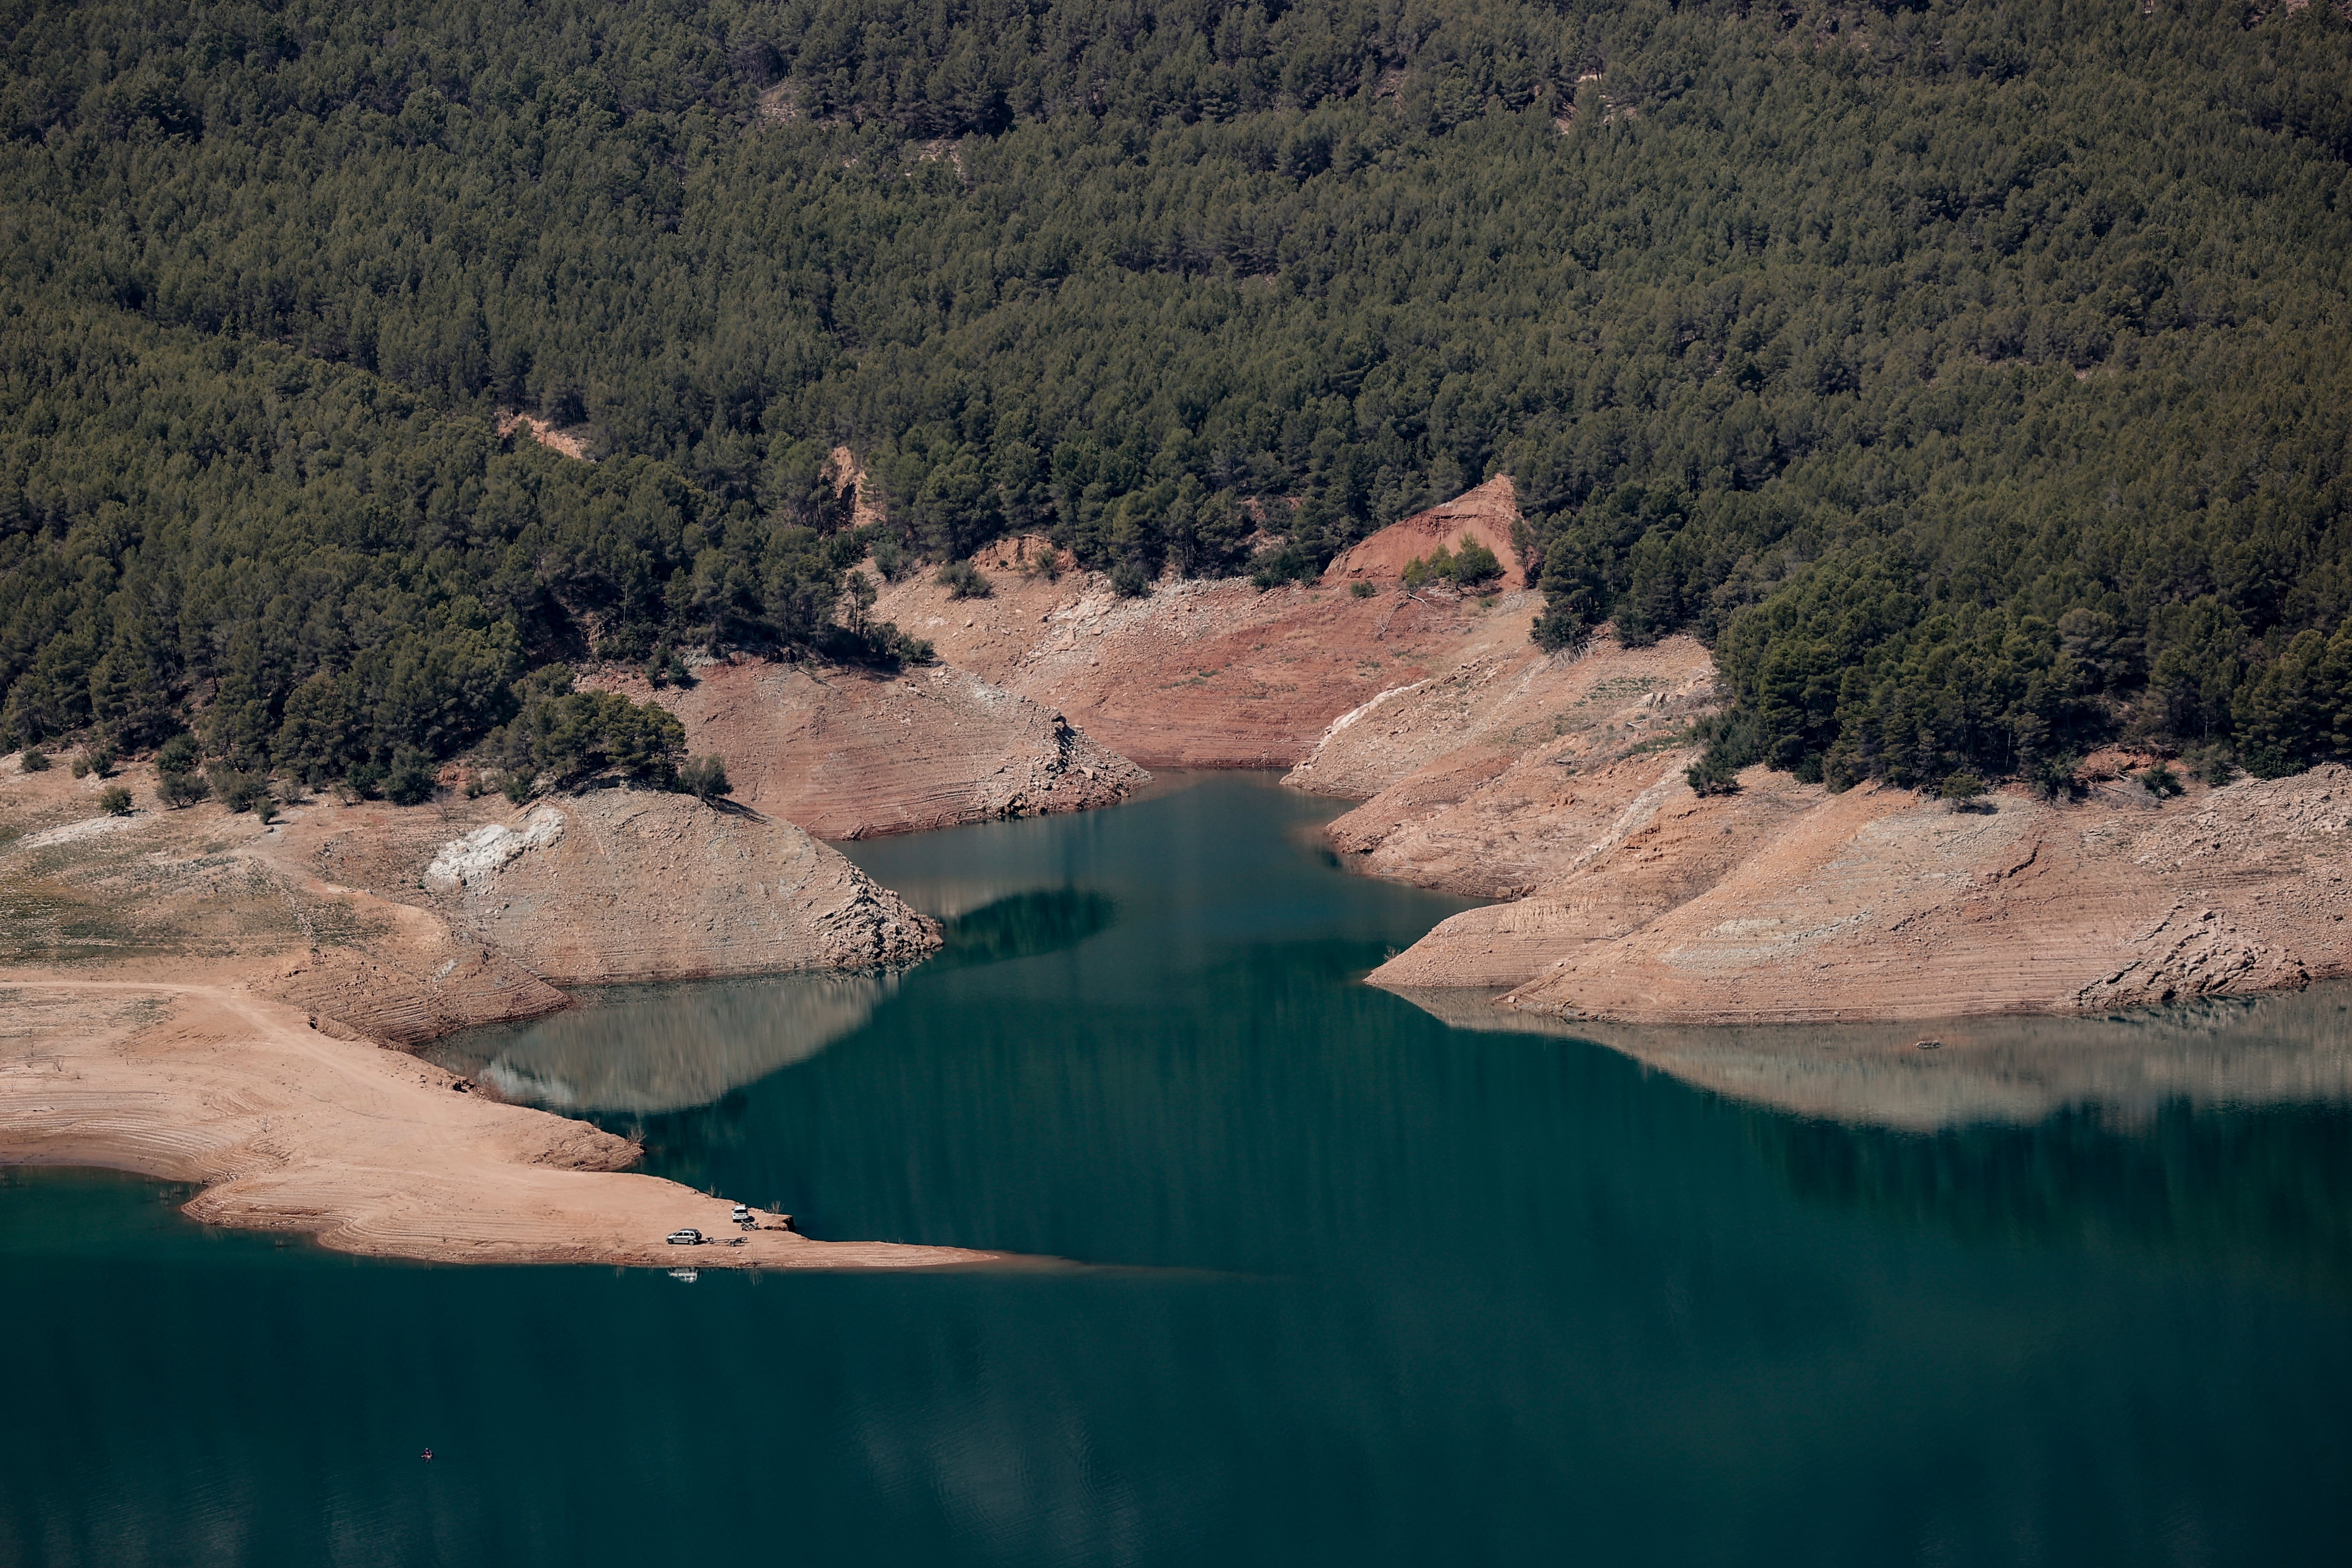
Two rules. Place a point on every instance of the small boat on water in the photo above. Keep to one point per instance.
(688, 1274)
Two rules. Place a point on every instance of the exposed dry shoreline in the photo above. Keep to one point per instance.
(1558, 789)
(193, 995)
(1553, 783)
(364, 1149)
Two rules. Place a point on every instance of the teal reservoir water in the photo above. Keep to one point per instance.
(1356, 1286)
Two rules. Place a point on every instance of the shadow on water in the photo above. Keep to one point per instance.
(1028, 924)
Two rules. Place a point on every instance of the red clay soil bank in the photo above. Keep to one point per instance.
(1215, 673)
(853, 753)
(1486, 514)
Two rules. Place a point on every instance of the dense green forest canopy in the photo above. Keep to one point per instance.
(1973, 377)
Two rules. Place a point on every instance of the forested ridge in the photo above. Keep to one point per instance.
(1972, 377)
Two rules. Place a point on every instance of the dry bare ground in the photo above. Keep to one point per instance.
(1218, 674)
(1558, 787)
(189, 996)
(572, 443)
(199, 996)
(855, 753)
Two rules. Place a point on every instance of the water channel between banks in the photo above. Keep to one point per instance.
(1367, 1288)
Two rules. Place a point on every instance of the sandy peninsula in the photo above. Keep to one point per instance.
(367, 1150)
(200, 996)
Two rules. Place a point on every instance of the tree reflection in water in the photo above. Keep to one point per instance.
(2255, 1192)
(2219, 1130)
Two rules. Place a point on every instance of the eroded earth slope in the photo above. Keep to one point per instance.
(851, 753)
(1215, 673)
(197, 995)
(1557, 786)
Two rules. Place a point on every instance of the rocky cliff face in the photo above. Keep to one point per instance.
(851, 753)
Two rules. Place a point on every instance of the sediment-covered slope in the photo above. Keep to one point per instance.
(1218, 673)
(1556, 784)
(1513, 767)
(1876, 904)
(851, 753)
(186, 893)
(1633, 844)
(198, 995)
(1783, 902)
(619, 884)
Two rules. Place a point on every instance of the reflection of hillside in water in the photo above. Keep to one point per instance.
(1027, 924)
(2220, 1132)
(646, 1050)
(650, 1049)
(2287, 1047)
(2260, 1190)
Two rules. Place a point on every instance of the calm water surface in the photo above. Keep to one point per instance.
(1364, 1288)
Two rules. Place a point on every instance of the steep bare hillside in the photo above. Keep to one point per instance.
(850, 754)
(1222, 674)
